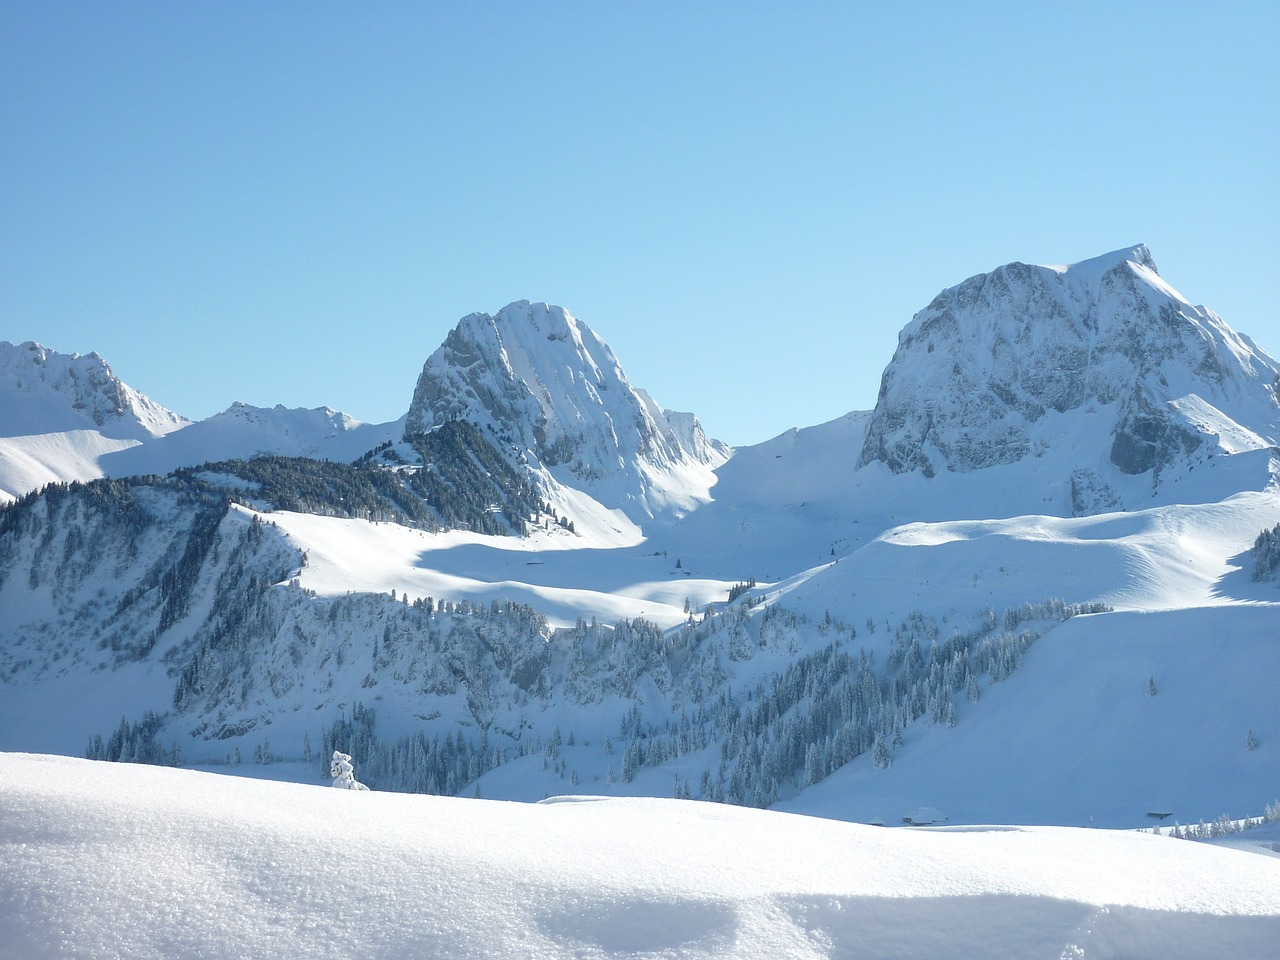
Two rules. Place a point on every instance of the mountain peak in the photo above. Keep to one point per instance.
(1138, 254)
(43, 391)
(552, 395)
(988, 373)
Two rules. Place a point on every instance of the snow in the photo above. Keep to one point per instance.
(124, 861)
(1263, 839)
(30, 462)
(664, 523)
(561, 575)
(990, 371)
(553, 393)
(1230, 436)
(242, 431)
(1074, 737)
(46, 391)
(67, 417)
(60, 414)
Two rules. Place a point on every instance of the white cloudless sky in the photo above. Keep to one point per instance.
(294, 202)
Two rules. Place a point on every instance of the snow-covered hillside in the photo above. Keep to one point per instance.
(550, 390)
(240, 633)
(118, 860)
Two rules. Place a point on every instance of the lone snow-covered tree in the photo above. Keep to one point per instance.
(344, 775)
(1251, 741)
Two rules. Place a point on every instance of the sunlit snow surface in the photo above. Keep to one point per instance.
(106, 860)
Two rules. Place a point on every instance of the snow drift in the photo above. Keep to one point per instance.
(107, 860)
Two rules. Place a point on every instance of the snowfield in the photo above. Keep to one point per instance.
(116, 860)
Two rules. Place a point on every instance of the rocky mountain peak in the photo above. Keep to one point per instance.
(551, 394)
(988, 373)
(44, 391)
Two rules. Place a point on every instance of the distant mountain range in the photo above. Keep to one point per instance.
(1019, 589)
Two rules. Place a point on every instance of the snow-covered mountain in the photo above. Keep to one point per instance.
(49, 392)
(550, 584)
(1102, 357)
(59, 413)
(243, 431)
(67, 417)
(552, 394)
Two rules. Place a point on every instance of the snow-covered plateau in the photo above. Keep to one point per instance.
(1038, 585)
(115, 860)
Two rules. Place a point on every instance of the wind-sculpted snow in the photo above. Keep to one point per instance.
(112, 860)
(552, 394)
(985, 373)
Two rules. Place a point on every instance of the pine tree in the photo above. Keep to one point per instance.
(881, 755)
(343, 773)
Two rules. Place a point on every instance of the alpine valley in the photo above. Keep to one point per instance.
(1037, 584)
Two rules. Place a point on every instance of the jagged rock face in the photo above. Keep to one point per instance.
(979, 372)
(43, 391)
(550, 392)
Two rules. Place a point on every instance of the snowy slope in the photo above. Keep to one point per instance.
(552, 394)
(242, 431)
(1162, 558)
(240, 632)
(1076, 737)
(989, 372)
(60, 413)
(117, 860)
(43, 391)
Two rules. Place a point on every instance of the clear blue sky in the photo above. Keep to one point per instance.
(294, 202)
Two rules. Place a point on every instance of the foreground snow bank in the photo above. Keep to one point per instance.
(107, 860)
